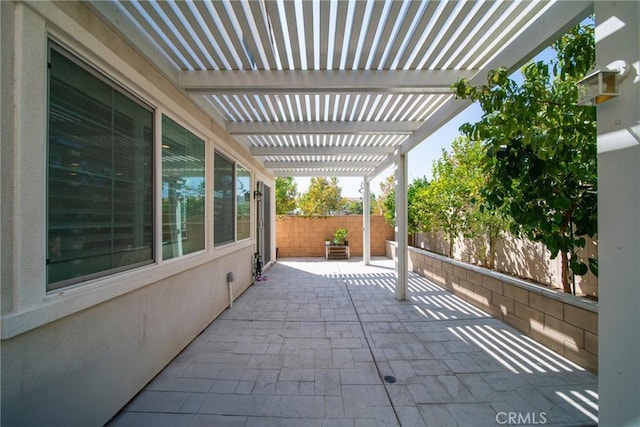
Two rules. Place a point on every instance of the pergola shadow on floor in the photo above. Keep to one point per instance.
(327, 344)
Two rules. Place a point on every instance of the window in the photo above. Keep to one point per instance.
(100, 170)
(232, 201)
(223, 206)
(243, 203)
(182, 190)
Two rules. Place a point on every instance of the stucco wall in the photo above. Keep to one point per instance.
(564, 323)
(81, 369)
(305, 236)
(76, 355)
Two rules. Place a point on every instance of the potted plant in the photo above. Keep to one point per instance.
(340, 236)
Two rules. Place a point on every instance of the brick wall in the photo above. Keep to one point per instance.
(305, 236)
(564, 323)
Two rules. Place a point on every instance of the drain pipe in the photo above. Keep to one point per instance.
(230, 279)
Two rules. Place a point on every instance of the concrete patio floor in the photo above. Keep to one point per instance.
(312, 344)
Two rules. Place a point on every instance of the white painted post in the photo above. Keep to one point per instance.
(402, 264)
(617, 38)
(366, 222)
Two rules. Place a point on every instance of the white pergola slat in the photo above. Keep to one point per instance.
(304, 164)
(322, 128)
(319, 81)
(321, 151)
(333, 77)
(323, 171)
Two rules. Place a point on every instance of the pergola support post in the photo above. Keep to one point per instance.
(402, 259)
(619, 219)
(366, 222)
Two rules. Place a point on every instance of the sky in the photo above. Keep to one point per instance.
(421, 158)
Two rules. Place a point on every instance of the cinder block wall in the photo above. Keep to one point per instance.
(515, 256)
(564, 323)
(305, 236)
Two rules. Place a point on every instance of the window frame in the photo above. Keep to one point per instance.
(51, 287)
(218, 244)
(205, 217)
(235, 165)
(248, 192)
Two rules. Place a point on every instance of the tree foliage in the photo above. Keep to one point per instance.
(414, 194)
(323, 197)
(446, 203)
(353, 207)
(386, 203)
(286, 193)
(356, 207)
(486, 227)
(541, 149)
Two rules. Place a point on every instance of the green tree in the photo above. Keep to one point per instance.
(323, 197)
(445, 204)
(484, 226)
(541, 149)
(487, 226)
(454, 204)
(353, 207)
(414, 192)
(386, 203)
(286, 192)
(373, 202)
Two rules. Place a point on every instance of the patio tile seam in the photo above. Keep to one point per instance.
(355, 322)
(471, 319)
(367, 340)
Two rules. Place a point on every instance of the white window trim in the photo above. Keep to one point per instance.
(98, 75)
(251, 200)
(208, 185)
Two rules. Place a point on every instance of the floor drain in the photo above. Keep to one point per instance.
(390, 379)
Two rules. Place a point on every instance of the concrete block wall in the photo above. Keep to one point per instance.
(305, 236)
(563, 323)
(515, 256)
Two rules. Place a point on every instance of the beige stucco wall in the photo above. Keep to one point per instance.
(80, 369)
(76, 355)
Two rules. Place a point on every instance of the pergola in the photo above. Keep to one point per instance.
(337, 88)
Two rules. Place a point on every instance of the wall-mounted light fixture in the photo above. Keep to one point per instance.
(597, 87)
